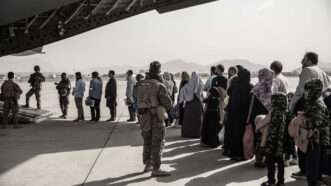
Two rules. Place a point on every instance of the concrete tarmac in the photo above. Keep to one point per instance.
(63, 153)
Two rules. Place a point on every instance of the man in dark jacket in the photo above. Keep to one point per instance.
(111, 95)
(10, 93)
(35, 81)
(63, 88)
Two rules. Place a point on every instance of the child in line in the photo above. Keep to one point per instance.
(275, 142)
(317, 124)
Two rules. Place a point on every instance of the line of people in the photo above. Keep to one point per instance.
(93, 99)
(266, 120)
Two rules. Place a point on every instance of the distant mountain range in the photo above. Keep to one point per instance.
(179, 65)
(25, 65)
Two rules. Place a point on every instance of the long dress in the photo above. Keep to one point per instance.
(181, 105)
(211, 125)
(192, 121)
(237, 111)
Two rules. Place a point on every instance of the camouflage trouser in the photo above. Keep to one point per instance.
(36, 92)
(153, 133)
(64, 101)
(10, 105)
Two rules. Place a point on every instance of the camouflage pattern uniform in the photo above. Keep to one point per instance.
(10, 94)
(35, 81)
(274, 147)
(152, 100)
(317, 123)
(63, 89)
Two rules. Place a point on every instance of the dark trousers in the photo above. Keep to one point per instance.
(10, 106)
(271, 163)
(95, 110)
(302, 161)
(64, 101)
(112, 109)
(313, 164)
(80, 108)
(36, 92)
(132, 112)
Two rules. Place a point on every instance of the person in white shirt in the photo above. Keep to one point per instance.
(310, 70)
(280, 82)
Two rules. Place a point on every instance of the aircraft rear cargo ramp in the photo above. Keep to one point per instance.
(29, 24)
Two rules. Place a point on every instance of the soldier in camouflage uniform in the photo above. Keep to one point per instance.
(153, 101)
(35, 81)
(317, 123)
(10, 92)
(274, 148)
(63, 88)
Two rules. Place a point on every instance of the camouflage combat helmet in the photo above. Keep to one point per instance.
(314, 88)
(279, 101)
(155, 67)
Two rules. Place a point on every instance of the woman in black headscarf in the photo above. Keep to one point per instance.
(211, 121)
(237, 111)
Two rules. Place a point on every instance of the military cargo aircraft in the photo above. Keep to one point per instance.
(27, 25)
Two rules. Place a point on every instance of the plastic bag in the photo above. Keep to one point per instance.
(248, 141)
(221, 136)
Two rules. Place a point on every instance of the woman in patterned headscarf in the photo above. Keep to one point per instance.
(261, 100)
(263, 89)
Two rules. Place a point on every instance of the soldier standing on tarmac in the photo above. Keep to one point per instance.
(10, 93)
(63, 88)
(153, 101)
(35, 81)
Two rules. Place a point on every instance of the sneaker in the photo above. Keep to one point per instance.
(299, 175)
(160, 173)
(280, 184)
(148, 168)
(267, 184)
(130, 120)
(25, 106)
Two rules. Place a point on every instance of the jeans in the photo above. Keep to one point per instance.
(80, 108)
(95, 110)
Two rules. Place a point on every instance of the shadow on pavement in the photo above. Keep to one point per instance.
(54, 136)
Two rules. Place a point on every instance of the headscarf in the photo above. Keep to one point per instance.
(168, 82)
(263, 89)
(192, 89)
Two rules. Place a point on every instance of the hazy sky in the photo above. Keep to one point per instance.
(257, 30)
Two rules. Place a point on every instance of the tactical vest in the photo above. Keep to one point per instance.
(10, 90)
(147, 94)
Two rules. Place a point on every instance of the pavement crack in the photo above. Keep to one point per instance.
(102, 149)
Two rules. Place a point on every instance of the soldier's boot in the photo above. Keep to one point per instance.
(38, 106)
(148, 168)
(160, 173)
(27, 105)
